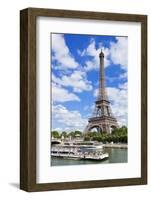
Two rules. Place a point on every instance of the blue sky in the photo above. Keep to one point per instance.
(75, 73)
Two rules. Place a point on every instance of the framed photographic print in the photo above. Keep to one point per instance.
(83, 99)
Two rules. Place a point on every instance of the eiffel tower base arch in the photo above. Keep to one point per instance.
(102, 125)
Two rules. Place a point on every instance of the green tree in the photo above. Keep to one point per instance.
(117, 135)
(71, 134)
(64, 134)
(55, 134)
(76, 133)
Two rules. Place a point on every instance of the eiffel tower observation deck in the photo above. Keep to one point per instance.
(103, 119)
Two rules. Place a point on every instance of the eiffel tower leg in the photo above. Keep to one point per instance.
(99, 129)
(106, 129)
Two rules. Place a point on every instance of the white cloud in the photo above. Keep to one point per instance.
(81, 53)
(92, 51)
(123, 75)
(123, 86)
(118, 98)
(77, 80)
(61, 53)
(116, 53)
(68, 120)
(60, 94)
(58, 129)
(95, 92)
(119, 101)
(119, 51)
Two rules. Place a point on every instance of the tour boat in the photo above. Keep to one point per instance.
(77, 153)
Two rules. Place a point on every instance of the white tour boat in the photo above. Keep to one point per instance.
(79, 150)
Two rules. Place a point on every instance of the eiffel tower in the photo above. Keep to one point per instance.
(102, 119)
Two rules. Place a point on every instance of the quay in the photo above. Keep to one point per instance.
(120, 146)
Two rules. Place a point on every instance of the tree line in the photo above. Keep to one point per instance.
(73, 134)
(118, 135)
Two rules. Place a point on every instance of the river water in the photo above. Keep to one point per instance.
(116, 155)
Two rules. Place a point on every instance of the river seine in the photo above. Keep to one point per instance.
(116, 155)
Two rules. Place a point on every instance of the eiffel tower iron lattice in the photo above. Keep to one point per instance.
(103, 119)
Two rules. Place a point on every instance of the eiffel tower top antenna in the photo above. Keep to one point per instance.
(102, 90)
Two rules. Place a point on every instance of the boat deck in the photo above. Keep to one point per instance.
(75, 153)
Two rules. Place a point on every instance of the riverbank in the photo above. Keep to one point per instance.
(121, 146)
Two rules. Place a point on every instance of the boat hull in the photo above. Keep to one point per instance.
(76, 157)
